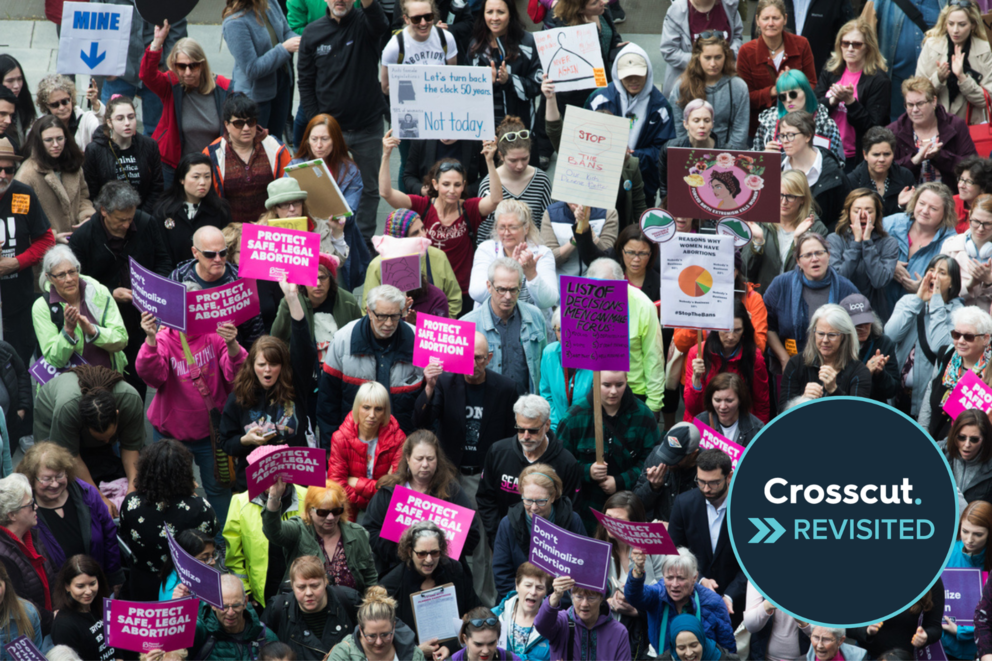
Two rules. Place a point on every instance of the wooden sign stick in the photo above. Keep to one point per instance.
(597, 408)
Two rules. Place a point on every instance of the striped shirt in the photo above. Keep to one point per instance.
(537, 196)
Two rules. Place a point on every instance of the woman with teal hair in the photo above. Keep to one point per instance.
(795, 93)
(689, 643)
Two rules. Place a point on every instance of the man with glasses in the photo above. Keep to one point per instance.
(516, 331)
(534, 442)
(699, 522)
(209, 268)
(233, 633)
(377, 347)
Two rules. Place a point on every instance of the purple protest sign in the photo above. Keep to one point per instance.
(933, 652)
(235, 303)
(407, 507)
(962, 592)
(306, 467)
(201, 579)
(402, 272)
(277, 253)
(563, 553)
(43, 371)
(22, 649)
(652, 538)
(712, 439)
(969, 393)
(595, 331)
(164, 298)
(449, 341)
(145, 626)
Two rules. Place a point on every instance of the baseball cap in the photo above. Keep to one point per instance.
(679, 441)
(859, 309)
(631, 64)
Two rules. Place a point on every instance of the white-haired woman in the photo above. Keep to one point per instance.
(516, 236)
(967, 352)
(21, 550)
(829, 366)
(76, 314)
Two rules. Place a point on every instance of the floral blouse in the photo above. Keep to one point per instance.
(336, 566)
(143, 526)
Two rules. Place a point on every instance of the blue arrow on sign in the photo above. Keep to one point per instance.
(776, 531)
(92, 60)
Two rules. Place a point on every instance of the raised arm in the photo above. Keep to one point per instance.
(489, 203)
(393, 197)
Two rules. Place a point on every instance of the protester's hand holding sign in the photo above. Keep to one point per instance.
(229, 333)
(161, 34)
(431, 373)
(950, 626)
(698, 372)
(919, 638)
(638, 558)
(561, 585)
(828, 376)
(150, 325)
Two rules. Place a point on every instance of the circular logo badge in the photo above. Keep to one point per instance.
(854, 489)
(658, 225)
(735, 228)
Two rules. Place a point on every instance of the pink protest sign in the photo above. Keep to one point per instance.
(652, 538)
(145, 626)
(450, 341)
(277, 253)
(306, 467)
(407, 506)
(402, 272)
(235, 303)
(970, 393)
(711, 439)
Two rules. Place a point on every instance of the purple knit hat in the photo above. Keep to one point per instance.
(398, 223)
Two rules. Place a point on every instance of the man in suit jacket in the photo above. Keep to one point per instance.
(699, 522)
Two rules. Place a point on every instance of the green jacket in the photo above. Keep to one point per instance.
(57, 345)
(298, 538)
(345, 311)
(226, 648)
(625, 447)
(247, 549)
(301, 13)
(441, 272)
(350, 649)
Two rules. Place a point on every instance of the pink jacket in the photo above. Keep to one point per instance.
(178, 410)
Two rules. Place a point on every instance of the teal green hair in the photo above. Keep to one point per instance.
(795, 79)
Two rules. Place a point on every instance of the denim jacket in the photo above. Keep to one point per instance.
(533, 337)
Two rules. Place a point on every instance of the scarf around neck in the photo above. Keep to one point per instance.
(952, 81)
(800, 313)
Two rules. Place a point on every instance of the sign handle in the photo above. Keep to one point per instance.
(597, 408)
(699, 343)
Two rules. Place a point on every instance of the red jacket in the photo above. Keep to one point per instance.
(695, 402)
(165, 84)
(757, 69)
(349, 458)
(53, 10)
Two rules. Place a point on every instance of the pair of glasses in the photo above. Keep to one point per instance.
(788, 137)
(59, 139)
(386, 317)
(812, 254)
(212, 254)
(709, 484)
(233, 607)
(189, 66)
(711, 34)
(336, 511)
(8, 169)
(533, 431)
(967, 337)
(503, 291)
(530, 502)
(971, 439)
(447, 166)
(966, 181)
(58, 104)
(423, 18)
(914, 106)
(436, 553)
(513, 135)
(791, 94)
(637, 254)
(856, 45)
(484, 622)
(789, 198)
(978, 225)
(378, 636)
(33, 503)
(820, 335)
(239, 124)
(323, 278)
(51, 480)
(71, 273)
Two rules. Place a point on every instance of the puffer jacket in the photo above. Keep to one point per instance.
(404, 642)
(23, 577)
(676, 40)
(101, 162)
(824, 127)
(349, 458)
(285, 618)
(225, 647)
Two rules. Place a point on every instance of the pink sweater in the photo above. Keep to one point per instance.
(178, 409)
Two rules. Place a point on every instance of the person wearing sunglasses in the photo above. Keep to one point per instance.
(480, 636)
(28, 569)
(231, 633)
(56, 95)
(246, 159)
(379, 634)
(969, 446)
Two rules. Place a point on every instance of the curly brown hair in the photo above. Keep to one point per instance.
(410, 536)
(444, 476)
(246, 386)
(165, 472)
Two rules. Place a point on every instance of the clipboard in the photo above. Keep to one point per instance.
(439, 593)
(323, 195)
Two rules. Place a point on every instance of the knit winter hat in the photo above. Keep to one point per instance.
(284, 189)
(330, 263)
(398, 223)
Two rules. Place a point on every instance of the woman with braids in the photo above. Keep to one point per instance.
(87, 410)
(164, 495)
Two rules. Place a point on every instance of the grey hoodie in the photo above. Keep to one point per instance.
(676, 42)
(732, 106)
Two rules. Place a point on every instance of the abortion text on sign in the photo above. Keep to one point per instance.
(560, 552)
(279, 253)
(712, 440)
(448, 341)
(159, 296)
(407, 507)
(233, 303)
(144, 626)
(969, 393)
(306, 467)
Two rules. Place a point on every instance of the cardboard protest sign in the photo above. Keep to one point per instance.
(697, 282)
(407, 507)
(715, 184)
(324, 197)
(969, 393)
(201, 579)
(441, 102)
(299, 224)
(233, 303)
(145, 626)
(449, 341)
(157, 11)
(95, 38)
(23, 649)
(652, 538)
(277, 253)
(590, 159)
(306, 467)
(712, 439)
(43, 371)
(402, 272)
(962, 592)
(560, 552)
(595, 324)
(164, 298)
(572, 57)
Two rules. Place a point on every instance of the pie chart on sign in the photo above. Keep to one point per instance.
(695, 281)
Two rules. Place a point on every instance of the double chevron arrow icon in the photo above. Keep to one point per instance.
(776, 529)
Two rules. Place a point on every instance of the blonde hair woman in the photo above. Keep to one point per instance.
(379, 634)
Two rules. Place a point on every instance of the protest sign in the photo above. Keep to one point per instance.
(595, 333)
(407, 507)
(306, 467)
(933, 652)
(711, 439)
(652, 538)
(402, 272)
(145, 626)
(560, 552)
(962, 592)
(590, 158)
(441, 102)
(658, 225)
(234, 303)
(449, 341)
(572, 57)
(969, 393)
(156, 11)
(22, 649)
(278, 253)
(201, 579)
(324, 197)
(697, 282)
(43, 371)
(736, 229)
(95, 38)
(715, 184)
(164, 298)
(299, 224)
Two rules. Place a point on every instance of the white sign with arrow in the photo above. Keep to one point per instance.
(94, 38)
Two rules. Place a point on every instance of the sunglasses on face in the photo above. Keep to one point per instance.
(188, 66)
(8, 169)
(972, 439)
(423, 18)
(336, 511)
(213, 254)
(513, 135)
(967, 337)
(239, 124)
(856, 45)
(533, 431)
(791, 94)
(58, 104)
(423, 554)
